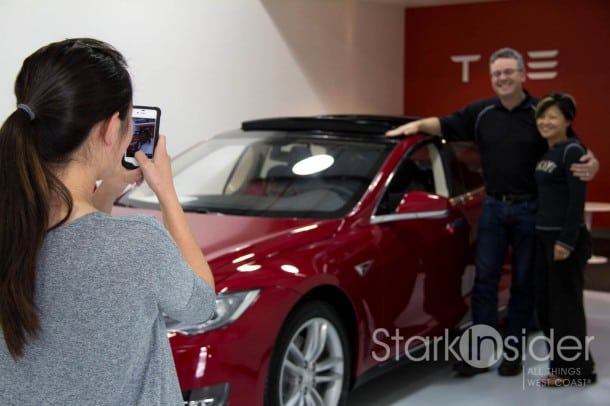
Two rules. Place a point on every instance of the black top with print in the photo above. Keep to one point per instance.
(561, 195)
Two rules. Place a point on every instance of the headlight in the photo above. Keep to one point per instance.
(229, 307)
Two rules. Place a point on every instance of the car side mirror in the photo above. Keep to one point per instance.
(422, 202)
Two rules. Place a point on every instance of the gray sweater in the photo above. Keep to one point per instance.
(102, 283)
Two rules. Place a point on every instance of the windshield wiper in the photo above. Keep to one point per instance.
(198, 209)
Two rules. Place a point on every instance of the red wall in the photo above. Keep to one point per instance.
(578, 30)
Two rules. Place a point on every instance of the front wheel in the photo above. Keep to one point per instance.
(311, 361)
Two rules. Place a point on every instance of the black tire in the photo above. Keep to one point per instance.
(317, 375)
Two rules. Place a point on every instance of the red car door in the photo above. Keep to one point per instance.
(427, 257)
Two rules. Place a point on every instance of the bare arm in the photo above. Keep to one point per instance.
(158, 175)
(430, 125)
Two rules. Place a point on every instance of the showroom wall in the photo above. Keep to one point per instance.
(209, 64)
(565, 45)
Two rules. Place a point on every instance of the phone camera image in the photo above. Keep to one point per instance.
(145, 123)
(143, 138)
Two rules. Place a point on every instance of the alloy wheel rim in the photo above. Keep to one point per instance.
(312, 368)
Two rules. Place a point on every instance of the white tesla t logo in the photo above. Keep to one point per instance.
(465, 61)
(541, 64)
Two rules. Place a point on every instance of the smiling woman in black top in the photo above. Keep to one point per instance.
(563, 246)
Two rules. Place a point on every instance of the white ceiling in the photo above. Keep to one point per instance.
(425, 3)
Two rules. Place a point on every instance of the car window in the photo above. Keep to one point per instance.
(463, 167)
(420, 170)
(413, 173)
(274, 174)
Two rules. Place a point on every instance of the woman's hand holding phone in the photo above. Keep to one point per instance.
(158, 171)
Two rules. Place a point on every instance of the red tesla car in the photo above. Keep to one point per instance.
(331, 245)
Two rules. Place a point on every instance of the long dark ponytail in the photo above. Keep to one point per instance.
(62, 91)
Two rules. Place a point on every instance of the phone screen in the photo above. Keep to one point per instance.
(145, 122)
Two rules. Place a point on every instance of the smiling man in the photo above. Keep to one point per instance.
(505, 129)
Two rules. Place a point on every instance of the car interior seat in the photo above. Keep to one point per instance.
(280, 178)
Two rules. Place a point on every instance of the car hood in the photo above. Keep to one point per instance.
(229, 242)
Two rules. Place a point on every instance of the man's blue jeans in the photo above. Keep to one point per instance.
(504, 224)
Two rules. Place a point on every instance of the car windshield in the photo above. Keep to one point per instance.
(272, 174)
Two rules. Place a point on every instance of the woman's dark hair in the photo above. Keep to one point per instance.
(62, 91)
(564, 102)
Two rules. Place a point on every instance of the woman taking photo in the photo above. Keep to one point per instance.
(563, 246)
(81, 292)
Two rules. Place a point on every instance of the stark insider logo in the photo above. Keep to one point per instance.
(480, 346)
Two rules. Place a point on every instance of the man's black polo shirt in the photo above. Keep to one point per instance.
(509, 142)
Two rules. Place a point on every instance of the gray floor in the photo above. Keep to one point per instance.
(433, 383)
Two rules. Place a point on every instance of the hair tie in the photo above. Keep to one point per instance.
(27, 109)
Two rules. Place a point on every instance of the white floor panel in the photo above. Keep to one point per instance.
(433, 383)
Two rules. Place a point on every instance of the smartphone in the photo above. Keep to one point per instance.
(145, 122)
